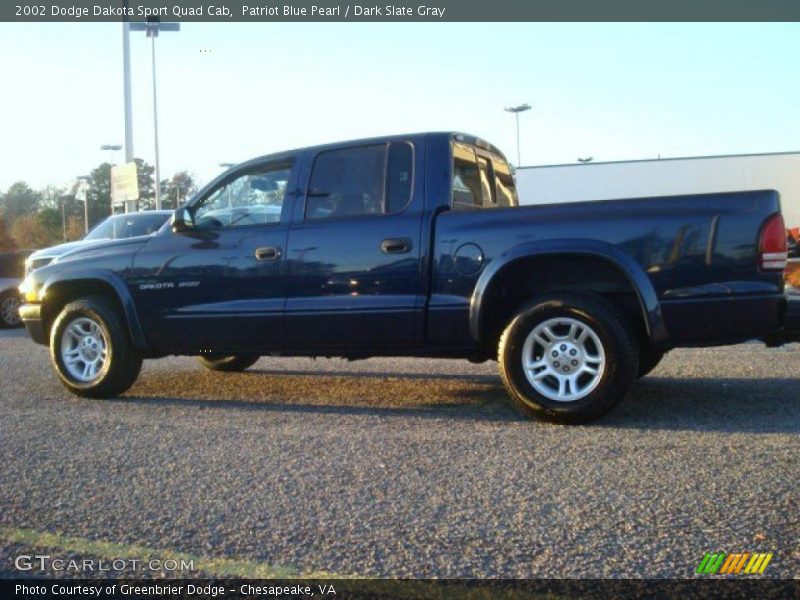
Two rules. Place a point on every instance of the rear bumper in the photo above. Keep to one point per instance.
(791, 322)
(31, 315)
(718, 321)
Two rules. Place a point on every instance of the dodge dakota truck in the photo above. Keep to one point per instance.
(415, 245)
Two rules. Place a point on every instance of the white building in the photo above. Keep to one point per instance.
(665, 177)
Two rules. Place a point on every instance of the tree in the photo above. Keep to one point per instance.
(175, 191)
(29, 233)
(19, 200)
(98, 193)
(6, 241)
(75, 228)
(146, 181)
(71, 206)
(50, 196)
(50, 220)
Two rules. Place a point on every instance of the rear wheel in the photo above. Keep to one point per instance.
(568, 358)
(9, 310)
(91, 349)
(233, 363)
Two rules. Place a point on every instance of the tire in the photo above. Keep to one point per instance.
(234, 363)
(601, 359)
(9, 310)
(79, 334)
(648, 360)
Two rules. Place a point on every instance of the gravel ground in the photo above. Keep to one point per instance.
(409, 467)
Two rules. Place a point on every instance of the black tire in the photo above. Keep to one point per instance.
(9, 317)
(123, 362)
(234, 363)
(609, 326)
(648, 360)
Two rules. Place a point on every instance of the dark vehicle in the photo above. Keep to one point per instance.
(12, 267)
(415, 246)
(115, 227)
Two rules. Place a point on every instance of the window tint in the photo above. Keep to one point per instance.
(487, 182)
(253, 198)
(367, 180)
(466, 180)
(480, 180)
(504, 182)
(399, 171)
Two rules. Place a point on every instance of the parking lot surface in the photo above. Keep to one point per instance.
(405, 467)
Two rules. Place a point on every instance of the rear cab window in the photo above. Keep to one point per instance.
(481, 179)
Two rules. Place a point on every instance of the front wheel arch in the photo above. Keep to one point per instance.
(60, 292)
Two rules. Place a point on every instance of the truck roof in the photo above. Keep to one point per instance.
(456, 135)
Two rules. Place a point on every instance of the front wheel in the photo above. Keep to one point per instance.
(92, 351)
(568, 358)
(234, 363)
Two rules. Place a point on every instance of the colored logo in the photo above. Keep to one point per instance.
(720, 563)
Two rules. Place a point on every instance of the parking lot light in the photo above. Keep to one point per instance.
(516, 110)
(152, 29)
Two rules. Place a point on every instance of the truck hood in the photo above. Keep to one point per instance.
(54, 251)
(99, 248)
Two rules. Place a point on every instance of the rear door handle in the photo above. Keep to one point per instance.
(396, 246)
(268, 253)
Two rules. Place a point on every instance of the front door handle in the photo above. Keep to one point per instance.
(268, 253)
(396, 246)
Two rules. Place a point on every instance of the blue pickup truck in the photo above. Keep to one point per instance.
(415, 246)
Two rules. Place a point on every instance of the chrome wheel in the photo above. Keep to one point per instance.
(563, 359)
(9, 310)
(84, 349)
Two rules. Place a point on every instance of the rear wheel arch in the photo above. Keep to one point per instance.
(593, 267)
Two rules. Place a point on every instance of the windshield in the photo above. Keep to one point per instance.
(125, 226)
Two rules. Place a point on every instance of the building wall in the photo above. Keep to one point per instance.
(648, 178)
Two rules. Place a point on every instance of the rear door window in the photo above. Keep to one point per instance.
(364, 180)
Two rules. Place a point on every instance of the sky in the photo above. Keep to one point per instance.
(229, 92)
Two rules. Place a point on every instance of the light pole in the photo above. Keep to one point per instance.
(82, 184)
(152, 29)
(63, 219)
(516, 110)
(126, 82)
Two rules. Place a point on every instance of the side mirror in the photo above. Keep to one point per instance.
(182, 220)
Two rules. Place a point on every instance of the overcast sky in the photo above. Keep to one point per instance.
(230, 92)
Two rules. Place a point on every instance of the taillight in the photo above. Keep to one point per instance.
(772, 248)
